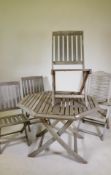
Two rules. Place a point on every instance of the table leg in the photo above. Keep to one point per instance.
(65, 146)
(74, 131)
(50, 141)
(75, 143)
(56, 137)
(44, 131)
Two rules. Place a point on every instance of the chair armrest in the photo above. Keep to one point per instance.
(106, 103)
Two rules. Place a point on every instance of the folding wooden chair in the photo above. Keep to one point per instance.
(31, 85)
(98, 87)
(10, 114)
(68, 51)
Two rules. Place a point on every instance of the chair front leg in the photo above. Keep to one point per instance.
(107, 118)
(27, 138)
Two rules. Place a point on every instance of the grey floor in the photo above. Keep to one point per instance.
(14, 160)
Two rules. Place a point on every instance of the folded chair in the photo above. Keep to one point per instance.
(10, 115)
(68, 55)
(99, 87)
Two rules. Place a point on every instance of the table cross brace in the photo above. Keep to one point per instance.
(56, 137)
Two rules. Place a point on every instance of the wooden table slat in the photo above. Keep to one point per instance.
(45, 102)
(62, 110)
(33, 100)
(67, 107)
(40, 102)
(47, 106)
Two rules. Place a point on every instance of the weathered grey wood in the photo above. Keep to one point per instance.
(32, 84)
(85, 70)
(9, 98)
(67, 47)
(12, 120)
(9, 95)
(0, 141)
(25, 128)
(98, 87)
(75, 143)
(44, 131)
(58, 111)
(69, 109)
(65, 146)
(69, 96)
(78, 94)
(50, 141)
(74, 131)
(67, 62)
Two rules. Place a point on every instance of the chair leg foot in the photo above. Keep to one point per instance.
(107, 124)
(79, 124)
(102, 137)
(28, 142)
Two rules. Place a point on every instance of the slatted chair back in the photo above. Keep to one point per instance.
(98, 86)
(9, 95)
(32, 84)
(67, 47)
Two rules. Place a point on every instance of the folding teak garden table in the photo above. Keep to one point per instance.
(65, 110)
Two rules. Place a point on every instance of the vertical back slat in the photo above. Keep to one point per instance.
(79, 48)
(24, 88)
(61, 48)
(12, 91)
(56, 48)
(65, 48)
(32, 86)
(74, 48)
(58, 58)
(53, 48)
(70, 47)
(36, 85)
(28, 86)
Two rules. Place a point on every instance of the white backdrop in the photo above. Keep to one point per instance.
(26, 28)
